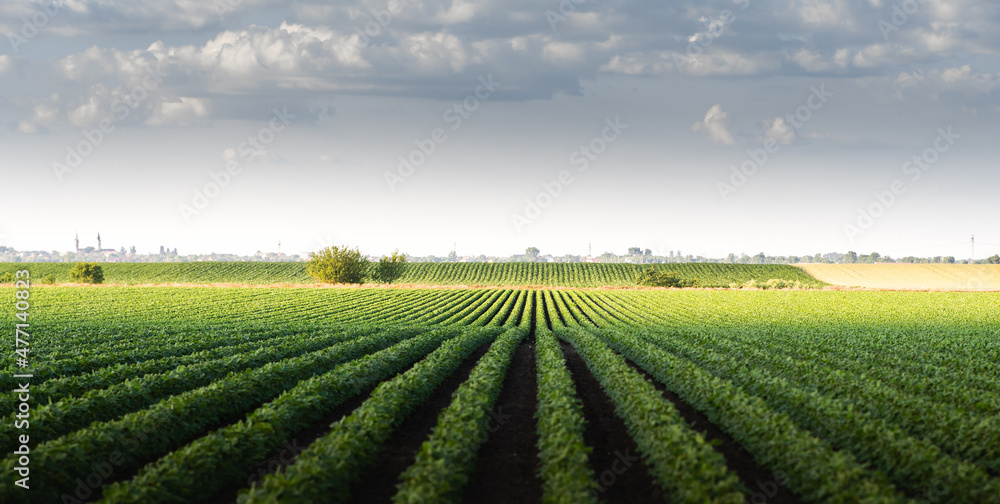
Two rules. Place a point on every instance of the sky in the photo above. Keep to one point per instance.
(788, 127)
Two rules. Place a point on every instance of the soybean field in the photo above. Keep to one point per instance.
(468, 274)
(160, 394)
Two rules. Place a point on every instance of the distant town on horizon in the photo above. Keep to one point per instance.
(633, 255)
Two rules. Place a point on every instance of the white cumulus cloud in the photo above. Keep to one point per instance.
(43, 113)
(716, 126)
(779, 131)
(182, 111)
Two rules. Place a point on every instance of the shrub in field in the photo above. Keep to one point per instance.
(656, 278)
(778, 283)
(49, 279)
(338, 265)
(773, 283)
(6, 278)
(389, 268)
(85, 272)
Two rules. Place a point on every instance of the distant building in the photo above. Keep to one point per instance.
(87, 250)
(99, 249)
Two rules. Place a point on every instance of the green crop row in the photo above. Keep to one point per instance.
(850, 396)
(67, 386)
(471, 274)
(510, 312)
(965, 389)
(198, 471)
(964, 434)
(477, 309)
(955, 363)
(489, 312)
(172, 422)
(913, 463)
(450, 303)
(445, 460)
(53, 420)
(325, 471)
(191, 272)
(143, 354)
(682, 462)
(812, 468)
(593, 275)
(567, 477)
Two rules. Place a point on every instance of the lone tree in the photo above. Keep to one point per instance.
(390, 268)
(85, 272)
(338, 265)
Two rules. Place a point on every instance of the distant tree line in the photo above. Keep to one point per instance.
(635, 255)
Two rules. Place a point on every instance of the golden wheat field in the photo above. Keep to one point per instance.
(908, 276)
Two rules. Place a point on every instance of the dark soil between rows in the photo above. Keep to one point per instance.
(507, 462)
(610, 441)
(379, 483)
(757, 479)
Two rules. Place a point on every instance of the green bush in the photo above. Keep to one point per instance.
(85, 272)
(653, 277)
(389, 268)
(777, 283)
(49, 279)
(773, 283)
(338, 265)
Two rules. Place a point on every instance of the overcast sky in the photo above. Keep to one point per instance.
(785, 126)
